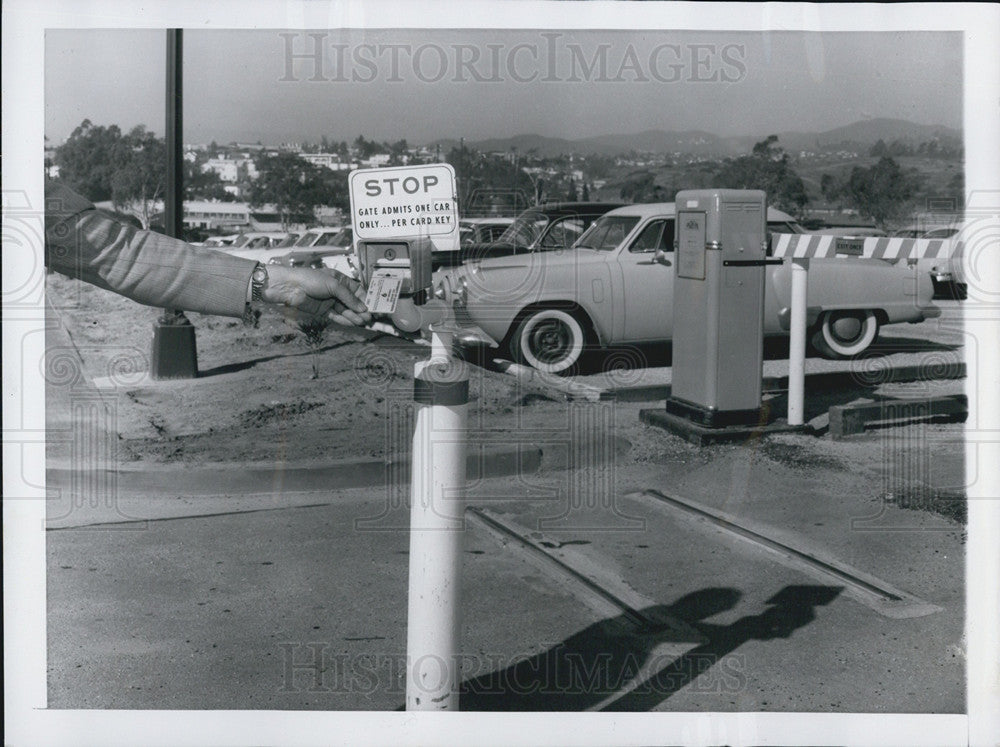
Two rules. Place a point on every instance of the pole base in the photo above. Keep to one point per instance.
(712, 418)
(703, 436)
(175, 354)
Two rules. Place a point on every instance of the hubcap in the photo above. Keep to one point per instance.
(846, 328)
(550, 340)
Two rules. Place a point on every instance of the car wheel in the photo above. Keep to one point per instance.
(550, 340)
(843, 334)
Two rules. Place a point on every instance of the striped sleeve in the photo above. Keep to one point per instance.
(145, 266)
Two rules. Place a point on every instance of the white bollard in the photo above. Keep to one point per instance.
(437, 508)
(797, 342)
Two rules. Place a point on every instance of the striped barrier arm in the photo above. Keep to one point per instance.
(819, 246)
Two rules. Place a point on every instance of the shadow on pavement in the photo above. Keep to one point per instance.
(608, 657)
(244, 365)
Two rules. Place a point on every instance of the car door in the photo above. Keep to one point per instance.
(648, 282)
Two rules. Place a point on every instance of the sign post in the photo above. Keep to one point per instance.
(401, 216)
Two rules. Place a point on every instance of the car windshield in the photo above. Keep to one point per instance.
(525, 230)
(308, 239)
(784, 226)
(241, 240)
(941, 233)
(607, 232)
(288, 241)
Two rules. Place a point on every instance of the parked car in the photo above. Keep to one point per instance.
(258, 245)
(217, 242)
(946, 274)
(614, 287)
(482, 230)
(341, 236)
(851, 232)
(328, 257)
(539, 229)
(289, 241)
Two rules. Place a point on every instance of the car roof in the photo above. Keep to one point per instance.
(571, 208)
(481, 221)
(669, 209)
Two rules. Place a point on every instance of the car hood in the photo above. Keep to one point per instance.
(553, 258)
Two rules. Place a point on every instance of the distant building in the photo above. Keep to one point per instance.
(327, 160)
(377, 160)
(227, 169)
(329, 216)
(232, 170)
(212, 215)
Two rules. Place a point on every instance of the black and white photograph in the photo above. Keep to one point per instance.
(501, 373)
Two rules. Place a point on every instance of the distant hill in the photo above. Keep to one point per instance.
(857, 136)
(866, 133)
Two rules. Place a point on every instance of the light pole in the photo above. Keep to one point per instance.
(175, 355)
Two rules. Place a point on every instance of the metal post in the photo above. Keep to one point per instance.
(797, 342)
(175, 353)
(437, 507)
(173, 203)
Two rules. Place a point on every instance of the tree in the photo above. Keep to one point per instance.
(398, 152)
(879, 149)
(571, 195)
(585, 193)
(140, 179)
(768, 168)
(294, 186)
(879, 192)
(202, 184)
(475, 170)
(641, 186)
(366, 148)
(89, 158)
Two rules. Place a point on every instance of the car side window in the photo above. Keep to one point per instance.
(563, 233)
(657, 235)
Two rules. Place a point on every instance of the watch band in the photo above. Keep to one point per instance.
(258, 281)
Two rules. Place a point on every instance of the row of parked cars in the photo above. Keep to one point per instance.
(562, 279)
(328, 247)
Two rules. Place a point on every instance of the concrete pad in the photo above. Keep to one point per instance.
(701, 435)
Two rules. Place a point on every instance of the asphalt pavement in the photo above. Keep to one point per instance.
(580, 591)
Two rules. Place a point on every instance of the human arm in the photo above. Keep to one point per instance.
(158, 270)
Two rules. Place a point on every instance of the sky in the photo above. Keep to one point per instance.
(279, 86)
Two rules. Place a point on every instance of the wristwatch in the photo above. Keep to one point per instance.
(255, 293)
(258, 282)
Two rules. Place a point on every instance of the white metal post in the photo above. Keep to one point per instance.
(797, 342)
(437, 507)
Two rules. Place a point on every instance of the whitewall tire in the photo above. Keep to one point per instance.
(549, 340)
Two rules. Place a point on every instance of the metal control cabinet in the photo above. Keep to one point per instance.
(718, 335)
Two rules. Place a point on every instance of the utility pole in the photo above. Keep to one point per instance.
(175, 354)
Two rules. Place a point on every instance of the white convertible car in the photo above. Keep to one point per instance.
(613, 287)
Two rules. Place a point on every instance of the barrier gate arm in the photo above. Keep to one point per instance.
(800, 249)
